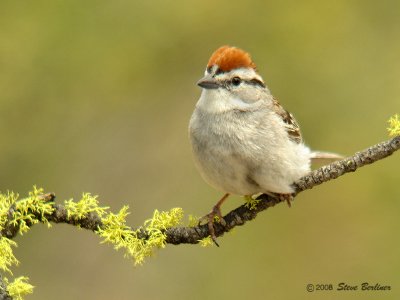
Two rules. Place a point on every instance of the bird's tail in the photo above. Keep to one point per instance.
(324, 157)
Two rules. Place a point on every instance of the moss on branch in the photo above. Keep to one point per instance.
(17, 216)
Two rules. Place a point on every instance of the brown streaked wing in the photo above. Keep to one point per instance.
(291, 125)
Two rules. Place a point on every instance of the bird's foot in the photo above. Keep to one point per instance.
(285, 197)
(214, 216)
(281, 197)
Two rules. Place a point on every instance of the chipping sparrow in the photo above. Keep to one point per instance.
(243, 141)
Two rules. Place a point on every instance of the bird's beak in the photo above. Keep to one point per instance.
(208, 82)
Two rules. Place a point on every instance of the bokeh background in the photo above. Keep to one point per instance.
(95, 96)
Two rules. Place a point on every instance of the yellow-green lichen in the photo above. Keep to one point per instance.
(394, 125)
(31, 210)
(87, 204)
(164, 219)
(6, 200)
(217, 219)
(138, 244)
(251, 203)
(35, 208)
(24, 211)
(19, 287)
(207, 241)
(7, 258)
(116, 232)
(193, 221)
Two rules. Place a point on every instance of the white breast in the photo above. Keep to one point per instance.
(243, 148)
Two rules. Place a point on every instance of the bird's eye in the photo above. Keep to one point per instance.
(236, 81)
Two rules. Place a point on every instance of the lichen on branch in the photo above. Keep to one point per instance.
(394, 125)
(18, 215)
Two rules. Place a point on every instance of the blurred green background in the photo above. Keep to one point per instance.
(95, 96)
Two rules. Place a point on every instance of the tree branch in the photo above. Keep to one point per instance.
(238, 216)
(3, 290)
(242, 214)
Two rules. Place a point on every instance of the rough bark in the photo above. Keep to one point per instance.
(237, 217)
(242, 214)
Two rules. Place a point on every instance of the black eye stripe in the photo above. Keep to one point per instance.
(253, 81)
(218, 71)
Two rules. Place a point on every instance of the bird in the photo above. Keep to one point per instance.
(243, 141)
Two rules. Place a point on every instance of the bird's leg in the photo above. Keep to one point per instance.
(215, 212)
